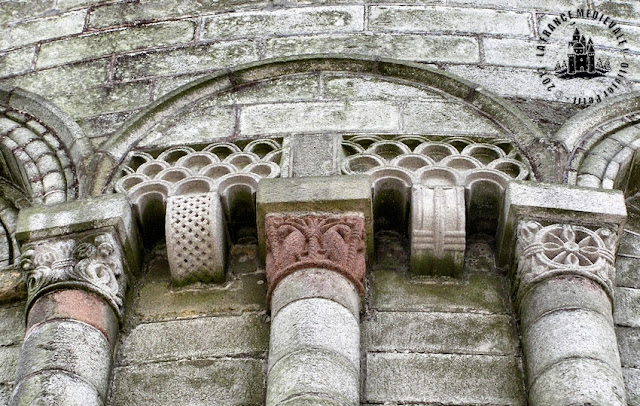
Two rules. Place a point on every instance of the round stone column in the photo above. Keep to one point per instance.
(564, 297)
(315, 269)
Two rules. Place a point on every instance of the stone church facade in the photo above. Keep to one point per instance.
(270, 202)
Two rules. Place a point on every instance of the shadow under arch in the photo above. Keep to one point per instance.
(112, 153)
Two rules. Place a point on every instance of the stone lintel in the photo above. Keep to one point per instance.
(551, 203)
(333, 194)
(95, 213)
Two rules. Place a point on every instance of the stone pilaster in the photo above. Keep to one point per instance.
(563, 252)
(315, 264)
(77, 258)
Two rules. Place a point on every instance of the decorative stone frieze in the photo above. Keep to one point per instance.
(194, 234)
(335, 242)
(564, 249)
(91, 262)
(437, 230)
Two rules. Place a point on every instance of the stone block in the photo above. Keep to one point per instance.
(568, 334)
(443, 378)
(439, 332)
(315, 194)
(449, 19)
(365, 116)
(313, 372)
(629, 244)
(480, 293)
(314, 155)
(629, 346)
(315, 324)
(11, 325)
(232, 382)
(632, 384)
(437, 230)
(12, 285)
(105, 43)
(627, 272)
(626, 307)
(290, 21)
(9, 357)
(13, 10)
(420, 48)
(571, 382)
(347, 87)
(446, 118)
(158, 300)
(195, 235)
(203, 337)
(202, 58)
(42, 29)
(17, 61)
(59, 388)
(557, 204)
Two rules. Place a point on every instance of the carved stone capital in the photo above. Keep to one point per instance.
(88, 261)
(544, 252)
(328, 241)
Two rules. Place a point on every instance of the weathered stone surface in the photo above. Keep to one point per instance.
(184, 60)
(73, 347)
(373, 116)
(544, 5)
(159, 301)
(427, 48)
(443, 378)
(284, 22)
(568, 334)
(11, 324)
(460, 333)
(445, 118)
(204, 337)
(629, 345)
(57, 388)
(572, 382)
(315, 324)
(12, 286)
(448, 19)
(632, 384)
(105, 43)
(9, 357)
(480, 293)
(315, 155)
(626, 308)
(626, 272)
(42, 29)
(354, 88)
(313, 372)
(14, 10)
(16, 61)
(198, 382)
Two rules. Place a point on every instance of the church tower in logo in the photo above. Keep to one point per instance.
(581, 60)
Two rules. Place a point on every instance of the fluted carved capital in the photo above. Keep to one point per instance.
(544, 252)
(89, 261)
(328, 241)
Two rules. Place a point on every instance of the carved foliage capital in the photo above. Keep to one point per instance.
(335, 242)
(92, 262)
(546, 251)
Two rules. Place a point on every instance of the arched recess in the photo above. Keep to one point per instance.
(513, 124)
(43, 153)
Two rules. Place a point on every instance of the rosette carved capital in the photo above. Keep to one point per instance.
(335, 242)
(563, 249)
(91, 262)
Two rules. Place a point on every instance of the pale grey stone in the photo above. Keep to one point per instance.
(232, 382)
(284, 22)
(627, 272)
(314, 324)
(449, 19)
(353, 87)
(224, 336)
(12, 322)
(315, 155)
(632, 384)
(313, 372)
(16, 61)
(42, 29)
(439, 332)
(569, 334)
(629, 346)
(9, 360)
(578, 381)
(443, 378)
(626, 309)
(70, 346)
(316, 283)
(447, 118)
(53, 388)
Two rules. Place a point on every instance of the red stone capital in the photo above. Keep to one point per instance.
(328, 241)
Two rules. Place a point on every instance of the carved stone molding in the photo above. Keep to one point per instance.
(195, 238)
(335, 242)
(88, 261)
(544, 252)
(437, 231)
